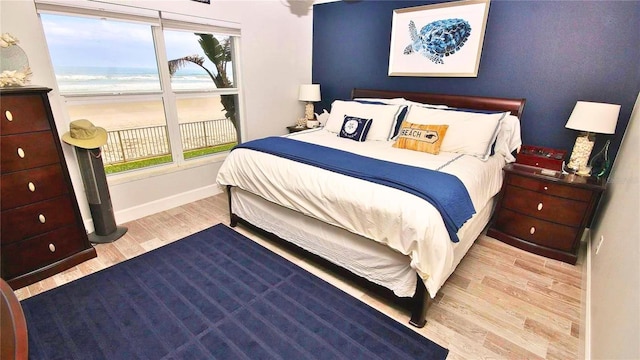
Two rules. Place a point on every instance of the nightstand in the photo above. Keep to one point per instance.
(544, 213)
(294, 129)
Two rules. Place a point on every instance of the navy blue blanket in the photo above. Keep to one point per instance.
(444, 191)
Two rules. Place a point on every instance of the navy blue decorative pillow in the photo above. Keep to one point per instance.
(355, 128)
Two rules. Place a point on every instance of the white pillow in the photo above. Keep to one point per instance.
(468, 133)
(401, 101)
(508, 139)
(393, 101)
(409, 102)
(384, 117)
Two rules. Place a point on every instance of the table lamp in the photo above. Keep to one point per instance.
(309, 93)
(589, 118)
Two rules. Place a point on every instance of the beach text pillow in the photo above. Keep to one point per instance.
(355, 128)
(425, 138)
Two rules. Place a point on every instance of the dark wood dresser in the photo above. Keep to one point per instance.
(41, 229)
(544, 214)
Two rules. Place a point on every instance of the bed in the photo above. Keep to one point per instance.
(364, 205)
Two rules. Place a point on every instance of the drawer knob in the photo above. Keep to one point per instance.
(21, 153)
(42, 218)
(52, 248)
(532, 230)
(8, 115)
(32, 186)
(546, 188)
(540, 206)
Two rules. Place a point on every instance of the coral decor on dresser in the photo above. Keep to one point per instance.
(13, 63)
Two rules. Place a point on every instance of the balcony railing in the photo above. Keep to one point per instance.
(153, 141)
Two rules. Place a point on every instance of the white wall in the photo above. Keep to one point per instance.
(276, 57)
(615, 270)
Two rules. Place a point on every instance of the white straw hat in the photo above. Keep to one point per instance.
(84, 134)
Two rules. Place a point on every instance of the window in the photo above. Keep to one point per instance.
(165, 90)
(208, 123)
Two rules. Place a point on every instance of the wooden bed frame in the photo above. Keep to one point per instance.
(420, 302)
(515, 106)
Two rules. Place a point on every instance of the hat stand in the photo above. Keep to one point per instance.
(97, 190)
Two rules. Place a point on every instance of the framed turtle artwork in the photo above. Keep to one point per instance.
(443, 39)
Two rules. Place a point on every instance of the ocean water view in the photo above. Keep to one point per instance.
(94, 79)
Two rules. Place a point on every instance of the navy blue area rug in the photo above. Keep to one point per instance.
(212, 295)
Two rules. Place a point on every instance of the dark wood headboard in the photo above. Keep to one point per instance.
(516, 106)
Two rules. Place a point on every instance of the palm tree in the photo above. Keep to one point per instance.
(220, 55)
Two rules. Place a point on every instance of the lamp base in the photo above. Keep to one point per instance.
(584, 171)
(580, 154)
(308, 111)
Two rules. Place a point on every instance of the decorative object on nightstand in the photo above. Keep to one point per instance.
(589, 118)
(309, 93)
(600, 163)
(312, 123)
(542, 157)
(295, 128)
(545, 214)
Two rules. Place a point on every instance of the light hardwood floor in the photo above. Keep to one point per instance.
(501, 302)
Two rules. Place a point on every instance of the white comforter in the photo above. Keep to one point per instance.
(404, 222)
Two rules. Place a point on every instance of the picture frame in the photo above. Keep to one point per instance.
(443, 39)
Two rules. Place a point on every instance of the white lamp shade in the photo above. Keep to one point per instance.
(309, 92)
(594, 117)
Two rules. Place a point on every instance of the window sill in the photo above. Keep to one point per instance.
(160, 170)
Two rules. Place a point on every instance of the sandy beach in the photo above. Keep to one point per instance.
(128, 115)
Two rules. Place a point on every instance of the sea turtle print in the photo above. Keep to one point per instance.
(438, 39)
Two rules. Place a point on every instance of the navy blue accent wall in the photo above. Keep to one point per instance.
(552, 53)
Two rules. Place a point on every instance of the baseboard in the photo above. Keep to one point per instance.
(156, 206)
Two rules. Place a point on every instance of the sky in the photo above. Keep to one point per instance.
(79, 41)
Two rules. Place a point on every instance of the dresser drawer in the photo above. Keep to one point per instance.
(26, 151)
(25, 256)
(550, 188)
(29, 186)
(26, 221)
(545, 207)
(537, 231)
(20, 114)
